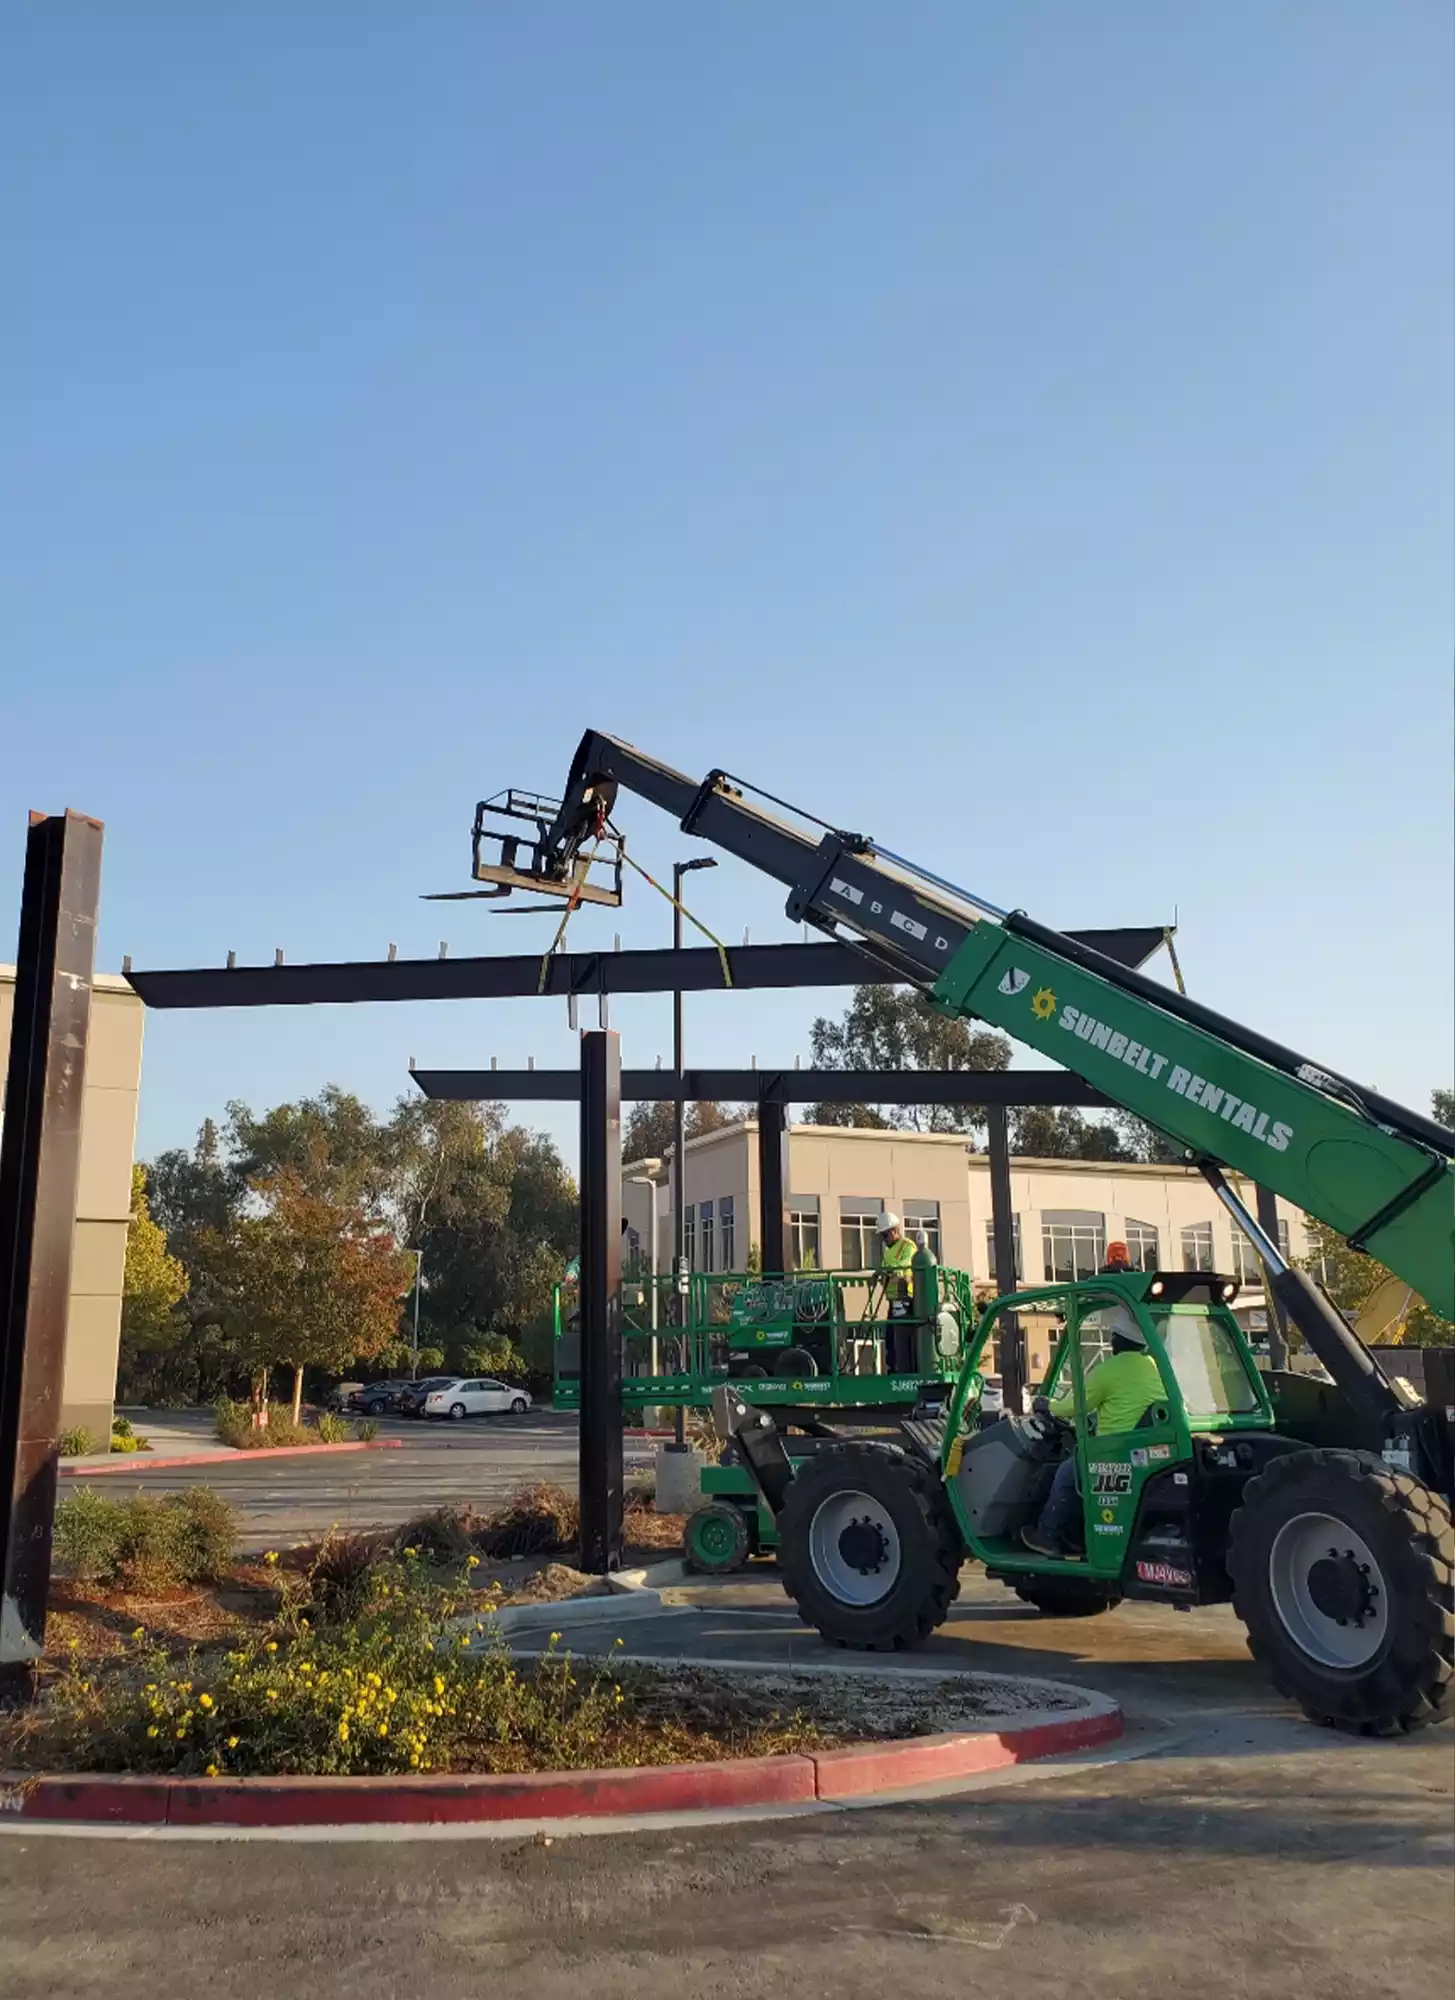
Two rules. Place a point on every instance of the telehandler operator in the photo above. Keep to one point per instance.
(1120, 1390)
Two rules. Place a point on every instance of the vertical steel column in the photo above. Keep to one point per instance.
(1277, 1321)
(773, 1173)
(40, 1155)
(601, 1454)
(1012, 1344)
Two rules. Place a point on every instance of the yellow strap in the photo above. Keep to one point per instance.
(727, 977)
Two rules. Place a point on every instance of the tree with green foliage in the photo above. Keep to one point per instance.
(155, 1282)
(309, 1281)
(889, 1027)
(1060, 1132)
(651, 1131)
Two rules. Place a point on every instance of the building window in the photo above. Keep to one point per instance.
(727, 1233)
(689, 1235)
(1283, 1250)
(1073, 1243)
(705, 1212)
(1020, 1271)
(1247, 1268)
(1142, 1245)
(803, 1229)
(1197, 1247)
(857, 1216)
(923, 1218)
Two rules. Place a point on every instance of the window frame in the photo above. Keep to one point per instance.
(804, 1213)
(925, 1215)
(1203, 1232)
(858, 1213)
(1076, 1223)
(1132, 1227)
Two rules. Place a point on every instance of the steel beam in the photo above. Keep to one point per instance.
(601, 1451)
(1009, 1337)
(773, 1233)
(795, 1086)
(40, 1156)
(696, 970)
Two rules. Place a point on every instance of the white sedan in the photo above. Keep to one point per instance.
(475, 1396)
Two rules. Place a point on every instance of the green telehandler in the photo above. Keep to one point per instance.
(1322, 1511)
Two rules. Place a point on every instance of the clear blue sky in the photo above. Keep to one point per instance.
(1023, 431)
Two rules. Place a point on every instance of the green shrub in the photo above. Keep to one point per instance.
(366, 1429)
(120, 1426)
(77, 1442)
(146, 1543)
(332, 1429)
(207, 1537)
(90, 1533)
(233, 1422)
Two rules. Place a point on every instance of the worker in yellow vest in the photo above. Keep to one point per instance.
(896, 1260)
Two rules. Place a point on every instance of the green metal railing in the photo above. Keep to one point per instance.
(817, 1337)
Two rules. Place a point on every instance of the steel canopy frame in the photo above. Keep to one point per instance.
(563, 975)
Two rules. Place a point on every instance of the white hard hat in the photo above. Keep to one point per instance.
(887, 1220)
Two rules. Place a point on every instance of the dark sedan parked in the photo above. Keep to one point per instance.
(377, 1399)
(411, 1401)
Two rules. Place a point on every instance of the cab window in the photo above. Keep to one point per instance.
(1208, 1363)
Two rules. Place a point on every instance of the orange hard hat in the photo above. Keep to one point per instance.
(1118, 1253)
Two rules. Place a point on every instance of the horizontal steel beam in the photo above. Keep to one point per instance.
(514, 978)
(697, 970)
(789, 1086)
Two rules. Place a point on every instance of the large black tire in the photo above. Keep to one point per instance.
(868, 1547)
(1065, 1596)
(1342, 1573)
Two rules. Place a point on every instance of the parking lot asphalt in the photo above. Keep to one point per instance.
(1221, 1869)
(285, 1499)
(1226, 1849)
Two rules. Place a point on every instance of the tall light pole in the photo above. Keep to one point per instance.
(414, 1338)
(679, 1108)
(646, 1181)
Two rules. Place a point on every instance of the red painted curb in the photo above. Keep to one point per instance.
(930, 1760)
(143, 1461)
(827, 1776)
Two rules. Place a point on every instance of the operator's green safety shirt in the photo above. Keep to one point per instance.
(1120, 1389)
(895, 1262)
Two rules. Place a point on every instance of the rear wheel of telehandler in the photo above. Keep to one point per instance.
(1342, 1574)
(869, 1550)
(717, 1539)
(1065, 1596)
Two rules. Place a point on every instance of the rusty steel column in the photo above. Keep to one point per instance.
(775, 1245)
(601, 1446)
(40, 1157)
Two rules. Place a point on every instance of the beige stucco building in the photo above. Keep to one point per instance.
(1066, 1211)
(103, 1194)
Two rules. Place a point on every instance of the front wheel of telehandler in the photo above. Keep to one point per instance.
(1342, 1574)
(868, 1548)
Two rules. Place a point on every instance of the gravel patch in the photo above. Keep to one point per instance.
(847, 1704)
